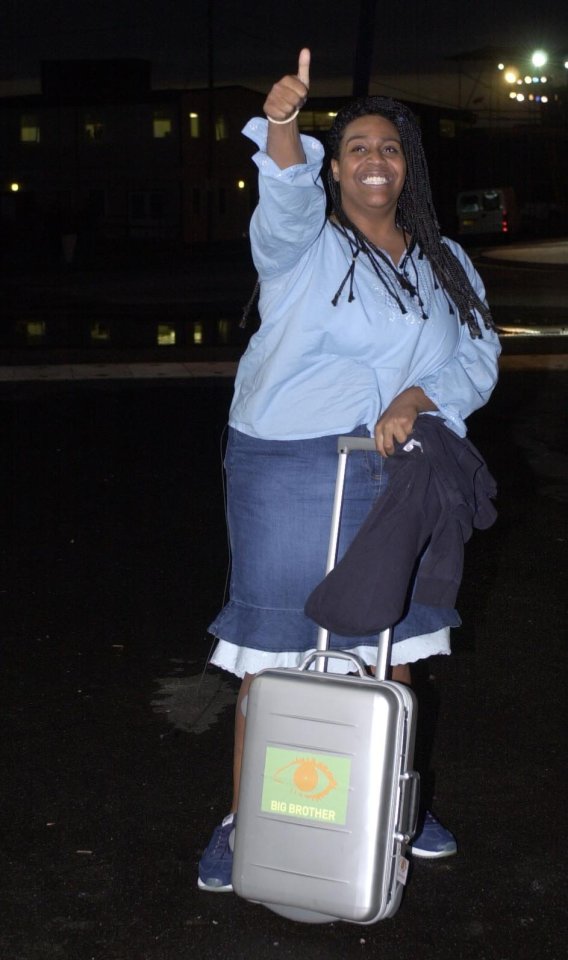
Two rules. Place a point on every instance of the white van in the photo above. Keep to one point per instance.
(489, 212)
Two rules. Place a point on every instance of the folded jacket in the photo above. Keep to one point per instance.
(412, 542)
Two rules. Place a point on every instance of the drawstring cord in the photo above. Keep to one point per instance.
(378, 260)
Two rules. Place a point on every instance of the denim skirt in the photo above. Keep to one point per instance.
(279, 503)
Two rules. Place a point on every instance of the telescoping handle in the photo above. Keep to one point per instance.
(344, 447)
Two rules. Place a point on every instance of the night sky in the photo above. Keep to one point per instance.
(255, 43)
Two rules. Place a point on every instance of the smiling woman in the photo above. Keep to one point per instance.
(414, 217)
(370, 171)
(406, 332)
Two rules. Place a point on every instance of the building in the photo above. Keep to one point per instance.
(100, 153)
(99, 150)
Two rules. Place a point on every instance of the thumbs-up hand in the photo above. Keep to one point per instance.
(290, 93)
(304, 67)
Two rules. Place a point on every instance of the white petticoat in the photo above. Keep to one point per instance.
(240, 660)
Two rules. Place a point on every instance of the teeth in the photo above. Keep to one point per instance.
(375, 181)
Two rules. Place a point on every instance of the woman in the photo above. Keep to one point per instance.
(369, 318)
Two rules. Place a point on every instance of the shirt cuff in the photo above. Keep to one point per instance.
(449, 412)
(257, 131)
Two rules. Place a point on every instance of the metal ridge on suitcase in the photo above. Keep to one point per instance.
(328, 799)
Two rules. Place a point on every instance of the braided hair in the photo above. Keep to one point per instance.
(415, 215)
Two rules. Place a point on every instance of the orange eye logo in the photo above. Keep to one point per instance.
(311, 778)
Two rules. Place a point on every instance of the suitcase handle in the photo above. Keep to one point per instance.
(412, 777)
(335, 655)
(344, 446)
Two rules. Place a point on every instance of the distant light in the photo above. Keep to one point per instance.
(519, 83)
(531, 96)
(528, 80)
(331, 114)
(543, 79)
(14, 187)
(241, 184)
(520, 97)
(511, 74)
(500, 66)
(166, 335)
(100, 331)
(512, 95)
(566, 64)
(224, 330)
(539, 58)
(194, 131)
(35, 330)
(536, 79)
(544, 99)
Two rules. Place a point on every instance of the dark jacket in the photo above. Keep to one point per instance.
(439, 489)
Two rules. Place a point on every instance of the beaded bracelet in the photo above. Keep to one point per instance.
(289, 120)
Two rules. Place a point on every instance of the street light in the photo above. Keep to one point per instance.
(511, 74)
(529, 84)
(539, 58)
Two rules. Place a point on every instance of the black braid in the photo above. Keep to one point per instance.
(415, 211)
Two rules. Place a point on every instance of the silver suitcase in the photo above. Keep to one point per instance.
(328, 799)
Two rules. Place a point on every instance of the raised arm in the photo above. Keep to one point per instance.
(281, 107)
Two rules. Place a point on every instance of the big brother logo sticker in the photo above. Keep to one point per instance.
(306, 786)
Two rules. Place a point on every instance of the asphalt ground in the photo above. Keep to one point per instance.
(116, 745)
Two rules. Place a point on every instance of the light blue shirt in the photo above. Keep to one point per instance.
(313, 369)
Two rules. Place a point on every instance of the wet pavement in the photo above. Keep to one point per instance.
(58, 316)
(117, 740)
(544, 253)
(117, 737)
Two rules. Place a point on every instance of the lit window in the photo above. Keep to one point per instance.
(198, 332)
(194, 125)
(162, 126)
(35, 331)
(166, 335)
(315, 119)
(93, 129)
(100, 332)
(29, 128)
(221, 131)
(447, 128)
(224, 329)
